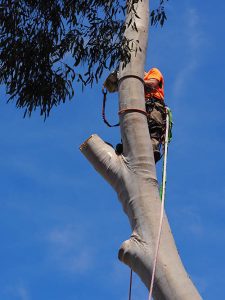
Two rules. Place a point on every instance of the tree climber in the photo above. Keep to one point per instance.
(155, 108)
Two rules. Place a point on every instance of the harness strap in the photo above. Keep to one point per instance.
(152, 103)
(103, 110)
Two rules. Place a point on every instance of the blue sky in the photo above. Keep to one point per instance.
(62, 225)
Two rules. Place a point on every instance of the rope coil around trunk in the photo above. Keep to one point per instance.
(123, 111)
(130, 76)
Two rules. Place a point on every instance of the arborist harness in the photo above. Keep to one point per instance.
(111, 85)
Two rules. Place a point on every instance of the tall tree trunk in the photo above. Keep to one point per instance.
(133, 176)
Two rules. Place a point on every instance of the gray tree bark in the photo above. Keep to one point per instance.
(133, 176)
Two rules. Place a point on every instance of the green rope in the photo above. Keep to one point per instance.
(170, 135)
(170, 123)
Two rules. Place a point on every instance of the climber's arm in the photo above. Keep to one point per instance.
(152, 83)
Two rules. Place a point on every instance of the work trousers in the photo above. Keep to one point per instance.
(156, 122)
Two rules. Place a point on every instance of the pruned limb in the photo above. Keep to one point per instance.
(140, 199)
(103, 157)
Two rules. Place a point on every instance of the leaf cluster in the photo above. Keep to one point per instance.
(44, 44)
(158, 16)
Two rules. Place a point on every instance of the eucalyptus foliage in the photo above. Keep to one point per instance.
(39, 37)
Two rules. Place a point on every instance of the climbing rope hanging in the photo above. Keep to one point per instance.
(167, 137)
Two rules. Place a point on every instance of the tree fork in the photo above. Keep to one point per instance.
(133, 176)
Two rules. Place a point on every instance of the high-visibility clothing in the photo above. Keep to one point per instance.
(157, 93)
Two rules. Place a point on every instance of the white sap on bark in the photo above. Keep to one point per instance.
(133, 176)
